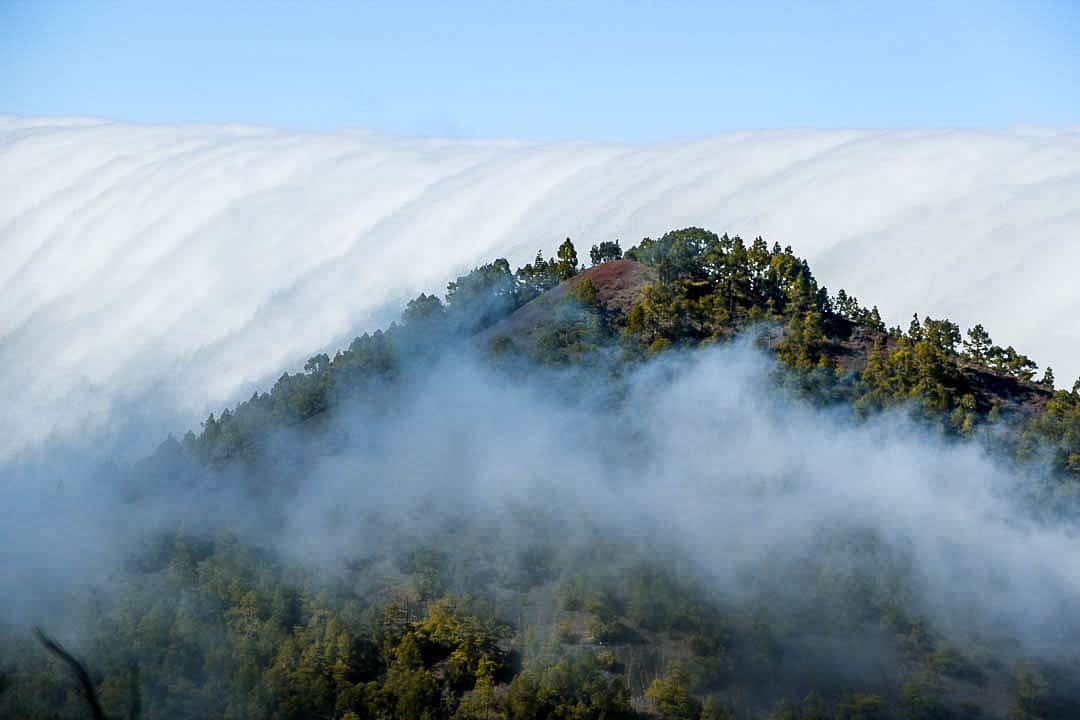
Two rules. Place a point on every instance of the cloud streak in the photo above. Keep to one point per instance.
(180, 267)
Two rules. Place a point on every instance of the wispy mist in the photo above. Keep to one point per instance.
(768, 503)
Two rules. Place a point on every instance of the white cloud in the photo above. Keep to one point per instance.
(192, 263)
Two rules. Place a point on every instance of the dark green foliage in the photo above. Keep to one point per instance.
(587, 294)
(979, 348)
(916, 369)
(848, 307)
(575, 687)
(978, 344)
(605, 251)
(575, 330)
(855, 706)
(478, 299)
(223, 630)
(538, 277)
(231, 636)
(567, 266)
(711, 287)
(1057, 430)
(541, 275)
(1009, 362)
(424, 314)
(670, 694)
(569, 337)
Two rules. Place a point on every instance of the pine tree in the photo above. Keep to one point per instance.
(915, 328)
(874, 319)
(978, 344)
(568, 260)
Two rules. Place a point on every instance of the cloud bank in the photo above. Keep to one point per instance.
(180, 267)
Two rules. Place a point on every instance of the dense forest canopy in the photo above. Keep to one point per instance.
(591, 600)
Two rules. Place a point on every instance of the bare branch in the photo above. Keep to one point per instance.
(77, 669)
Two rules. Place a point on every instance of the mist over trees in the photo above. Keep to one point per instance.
(688, 482)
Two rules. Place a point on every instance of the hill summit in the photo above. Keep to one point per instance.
(687, 482)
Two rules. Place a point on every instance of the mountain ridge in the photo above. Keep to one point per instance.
(377, 561)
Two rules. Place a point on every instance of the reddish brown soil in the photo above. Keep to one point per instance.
(618, 284)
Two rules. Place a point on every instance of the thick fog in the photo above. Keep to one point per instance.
(698, 459)
(151, 274)
(701, 460)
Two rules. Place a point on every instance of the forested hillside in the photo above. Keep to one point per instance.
(548, 606)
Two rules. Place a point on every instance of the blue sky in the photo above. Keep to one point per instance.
(620, 71)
